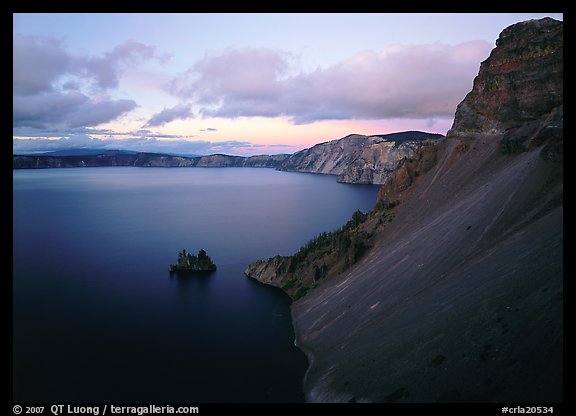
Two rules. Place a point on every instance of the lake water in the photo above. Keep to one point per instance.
(98, 318)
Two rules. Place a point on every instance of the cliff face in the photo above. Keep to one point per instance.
(513, 96)
(357, 158)
(332, 253)
(145, 160)
(461, 297)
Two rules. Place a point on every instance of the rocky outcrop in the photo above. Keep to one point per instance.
(357, 158)
(145, 160)
(512, 96)
(461, 296)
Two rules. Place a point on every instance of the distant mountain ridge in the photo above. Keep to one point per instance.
(355, 158)
(86, 151)
(121, 158)
(81, 152)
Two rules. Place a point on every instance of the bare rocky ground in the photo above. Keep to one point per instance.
(460, 300)
(461, 297)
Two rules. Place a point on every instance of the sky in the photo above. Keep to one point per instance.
(240, 83)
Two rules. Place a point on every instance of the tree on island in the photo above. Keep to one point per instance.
(189, 262)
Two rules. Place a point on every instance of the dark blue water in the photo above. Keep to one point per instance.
(97, 316)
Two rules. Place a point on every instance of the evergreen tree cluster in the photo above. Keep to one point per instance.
(345, 241)
(189, 261)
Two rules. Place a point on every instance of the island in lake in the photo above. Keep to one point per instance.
(189, 262)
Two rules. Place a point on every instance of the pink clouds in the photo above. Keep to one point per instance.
(402, 81)
(256, 94)
(245, 74)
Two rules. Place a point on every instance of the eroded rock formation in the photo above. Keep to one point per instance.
(357, 158)
(461, 296)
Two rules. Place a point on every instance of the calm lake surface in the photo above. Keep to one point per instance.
(97, 316)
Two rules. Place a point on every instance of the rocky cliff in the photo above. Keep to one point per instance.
(354, 158)
(461, 296)
(512, 95)
(145, 160)
(357, 158)
(332, 253)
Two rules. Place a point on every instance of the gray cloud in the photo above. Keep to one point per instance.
(48, 81)
(98, 112)
(414, 81)
(106, 70)
(37, 63)
(180, 111)
(53, 109)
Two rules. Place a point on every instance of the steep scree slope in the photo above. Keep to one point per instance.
(461, 297)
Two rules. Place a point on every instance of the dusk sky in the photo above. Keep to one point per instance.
(240, 84)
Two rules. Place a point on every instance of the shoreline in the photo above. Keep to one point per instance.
(307, 352)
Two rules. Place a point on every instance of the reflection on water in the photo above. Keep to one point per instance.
(97, 315)
(196, 280)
